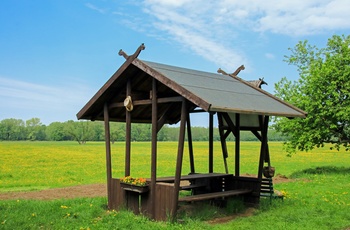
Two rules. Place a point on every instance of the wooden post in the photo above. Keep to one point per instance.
(237, 144)
(154, 147)
(127, 133)
(108, 154)
(223, 141)
(211, 142)
(180, 151)
(263, 148)
(190, 144)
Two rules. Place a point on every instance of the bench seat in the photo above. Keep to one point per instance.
(208, 196)
(192, 186)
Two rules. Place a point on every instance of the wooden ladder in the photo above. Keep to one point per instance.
(266, 189)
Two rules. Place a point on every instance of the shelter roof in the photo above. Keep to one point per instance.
(210, 91)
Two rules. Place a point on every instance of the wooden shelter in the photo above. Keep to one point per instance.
(147, 92)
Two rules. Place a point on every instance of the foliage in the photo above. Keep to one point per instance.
(83, 131)
(323, 91)
(56, 132)
(35, 129)
(12, 129)
(79, 131)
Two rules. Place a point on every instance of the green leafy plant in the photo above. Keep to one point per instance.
(322, 90)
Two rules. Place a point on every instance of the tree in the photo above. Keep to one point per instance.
(322, 90)
(117, 131)
(97, 131)
(80, 131)
(35, 130)
(56, 132)
(12, 129)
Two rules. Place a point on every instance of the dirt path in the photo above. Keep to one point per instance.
(93, 190)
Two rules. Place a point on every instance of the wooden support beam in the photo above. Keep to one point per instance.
(164, 116)
(263, 148)
(180, 151)
(211, 142)
(256, 134)
(237, 145)
(154, 146)
(108, 155)
(223, 141)
(230, 123)
(227, 133)
(190, 144)
(146, 102)
(267, 156)
(127, 132)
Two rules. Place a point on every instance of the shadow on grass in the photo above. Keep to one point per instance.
(322, 170)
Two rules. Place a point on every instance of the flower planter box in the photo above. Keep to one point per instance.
(134, 188)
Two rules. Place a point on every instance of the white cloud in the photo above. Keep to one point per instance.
(215, 29)
(312, 16)
(93, 7)
(193, 27)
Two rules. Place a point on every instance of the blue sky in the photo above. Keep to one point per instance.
(55, 55)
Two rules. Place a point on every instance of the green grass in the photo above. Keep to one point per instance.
(317, 198)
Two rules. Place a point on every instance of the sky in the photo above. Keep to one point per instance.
(56, 54)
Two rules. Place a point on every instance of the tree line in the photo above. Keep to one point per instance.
(82, 131)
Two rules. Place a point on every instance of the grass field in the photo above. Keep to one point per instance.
(318, 198)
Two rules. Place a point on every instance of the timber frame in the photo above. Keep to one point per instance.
(159, 95)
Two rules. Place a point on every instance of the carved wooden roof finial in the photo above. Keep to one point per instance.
(135, 55)
(234, 74)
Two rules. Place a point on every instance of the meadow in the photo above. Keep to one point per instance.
(317, 194)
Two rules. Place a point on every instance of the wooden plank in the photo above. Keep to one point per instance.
(118, 195)
(190, 144)
(133, 200)
(237, 144)
(146, 102)
(127, 133)
(263, 148)
(211, 142)
(164, 204)
(223, 141)
(208, 196)
(180, 151)
(192, 186)
(108, 155)
(154, 146)
(145, 197)
(171, 179)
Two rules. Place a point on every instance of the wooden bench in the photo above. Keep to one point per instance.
(192, 186)
(195, 179)
(213, 195)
